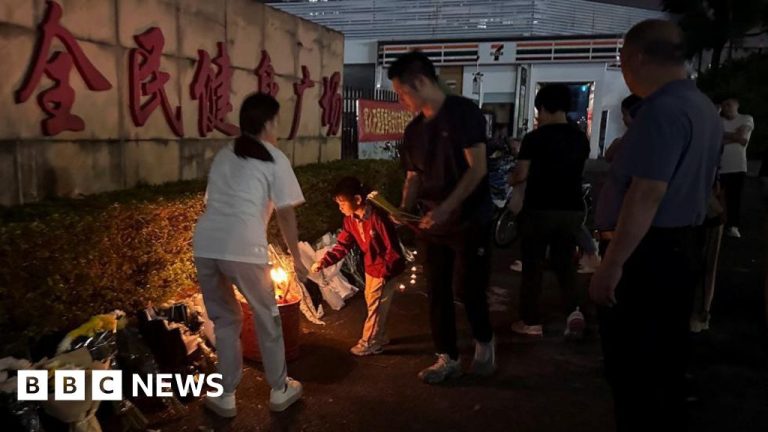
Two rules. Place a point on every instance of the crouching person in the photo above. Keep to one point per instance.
(375, 235)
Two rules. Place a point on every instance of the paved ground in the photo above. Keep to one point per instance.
(541, 385)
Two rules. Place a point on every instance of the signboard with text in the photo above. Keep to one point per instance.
(381, 121)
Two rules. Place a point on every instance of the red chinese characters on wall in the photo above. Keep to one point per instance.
(210, 88)
(330, 104)
(298, 89)
(146, 80)
(57, 101)
(266, 73)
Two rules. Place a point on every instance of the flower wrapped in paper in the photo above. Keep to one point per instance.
(80, 415)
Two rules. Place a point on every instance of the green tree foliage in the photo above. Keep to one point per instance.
(712, 24)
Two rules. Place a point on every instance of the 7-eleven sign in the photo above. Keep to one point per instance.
(497, 52)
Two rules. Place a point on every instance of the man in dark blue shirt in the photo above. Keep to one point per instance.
(443, 154)
(655, 197)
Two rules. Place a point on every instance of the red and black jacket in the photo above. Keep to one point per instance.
(376, 237)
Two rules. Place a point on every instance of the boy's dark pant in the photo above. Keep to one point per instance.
(463, 263)
(645, 335)
(733, 183)
(559, 231)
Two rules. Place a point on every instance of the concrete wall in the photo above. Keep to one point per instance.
(112, 153)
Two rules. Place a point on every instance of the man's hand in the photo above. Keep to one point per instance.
(602, 288)
(395, 220)
(301, 272)
(438, 216)
(316, 267)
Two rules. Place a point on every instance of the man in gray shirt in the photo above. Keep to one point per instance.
(654, 199)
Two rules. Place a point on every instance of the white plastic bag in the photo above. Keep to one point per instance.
(333, 285)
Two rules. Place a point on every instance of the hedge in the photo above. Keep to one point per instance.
(62, 261)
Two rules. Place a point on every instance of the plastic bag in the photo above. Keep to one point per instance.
(333, 285)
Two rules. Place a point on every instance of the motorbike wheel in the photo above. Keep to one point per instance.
(505, 229)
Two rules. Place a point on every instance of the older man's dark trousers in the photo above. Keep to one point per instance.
(645, 335)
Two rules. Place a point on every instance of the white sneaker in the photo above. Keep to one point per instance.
(697, 326)
(521, 328)
(734, 232)
(575, 325)
(484, 362)
(443, 369)
(280, 400)
(223, 406)
(517, 266)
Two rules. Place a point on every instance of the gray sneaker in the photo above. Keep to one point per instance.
(365, 349)
(484, 362)
(444, 368)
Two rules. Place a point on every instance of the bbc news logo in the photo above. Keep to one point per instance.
(107, 385)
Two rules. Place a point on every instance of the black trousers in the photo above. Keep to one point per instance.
(558, 230)
(461, 263)
(645, 335)
(733, 184)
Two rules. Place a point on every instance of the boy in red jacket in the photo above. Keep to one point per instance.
(375, 235)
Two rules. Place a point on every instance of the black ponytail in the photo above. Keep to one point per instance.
(257, 110)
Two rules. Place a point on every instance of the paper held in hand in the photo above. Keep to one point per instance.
(379, 201)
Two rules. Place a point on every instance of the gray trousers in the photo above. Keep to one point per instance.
(216, 278)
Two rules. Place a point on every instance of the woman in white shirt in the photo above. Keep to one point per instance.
(248, 179)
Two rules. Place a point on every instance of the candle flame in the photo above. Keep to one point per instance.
(279, 276)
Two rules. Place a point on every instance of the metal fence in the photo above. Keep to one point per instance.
(349, 139)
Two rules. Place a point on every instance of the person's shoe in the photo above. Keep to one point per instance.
(698, 326)
(575, 325)
(365, 349)
(223, 406)
(734, 232)
(444, 368)
(517, 266)
(484, 362)
(521, 328)
(280, 400)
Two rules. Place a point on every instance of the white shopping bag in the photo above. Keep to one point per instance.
(333, 285)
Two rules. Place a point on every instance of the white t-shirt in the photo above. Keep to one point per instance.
(241, 195)
(734, 158)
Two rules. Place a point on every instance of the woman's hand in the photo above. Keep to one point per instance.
(316, 267)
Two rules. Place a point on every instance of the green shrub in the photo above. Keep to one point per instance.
(64, 260)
